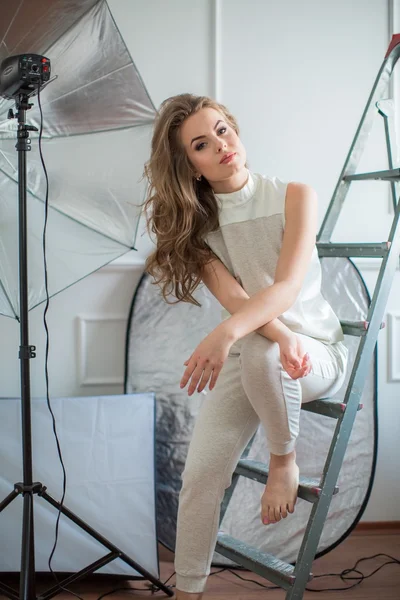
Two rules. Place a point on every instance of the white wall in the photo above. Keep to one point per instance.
(297, 77)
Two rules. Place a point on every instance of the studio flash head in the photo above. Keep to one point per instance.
(23, 74)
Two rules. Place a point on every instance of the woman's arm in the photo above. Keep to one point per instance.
(230, 294)
(301, 213)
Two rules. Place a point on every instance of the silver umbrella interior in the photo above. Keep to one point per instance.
(97, 127)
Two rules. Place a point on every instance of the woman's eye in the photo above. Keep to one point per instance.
(201, 145)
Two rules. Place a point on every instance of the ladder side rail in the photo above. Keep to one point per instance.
(344, 426)
(357, 146)
(391, 144)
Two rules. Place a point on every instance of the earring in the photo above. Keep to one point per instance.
(198, 178)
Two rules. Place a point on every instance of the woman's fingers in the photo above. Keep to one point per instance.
(294, 361)
(203, 381)
(186, 375)
(214, 378)
(206, 376)
(202, 375)
(299, 362)
(197, 374)
(307, 364)
(294, 371)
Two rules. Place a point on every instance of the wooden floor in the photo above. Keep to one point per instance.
(383, 585)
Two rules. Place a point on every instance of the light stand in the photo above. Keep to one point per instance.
(27, 488)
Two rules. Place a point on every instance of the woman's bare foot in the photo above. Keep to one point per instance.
(187, 596)
(280, 493)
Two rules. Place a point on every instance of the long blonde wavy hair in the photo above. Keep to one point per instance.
(182, 210)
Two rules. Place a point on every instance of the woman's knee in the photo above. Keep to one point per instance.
(209, 480)
(260, 355)
(209, 464)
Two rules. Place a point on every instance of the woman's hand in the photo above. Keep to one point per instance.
(294, 360)
(207, 360)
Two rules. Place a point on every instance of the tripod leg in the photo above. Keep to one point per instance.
(8, 499)
(97, 536)
(27, 585)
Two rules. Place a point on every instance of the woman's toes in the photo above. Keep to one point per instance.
(277, 513)
(284, 512)
(264, 515)
(291, 507)
(271, 514)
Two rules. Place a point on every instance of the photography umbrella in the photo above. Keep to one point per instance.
(93, 212)
(98, 122)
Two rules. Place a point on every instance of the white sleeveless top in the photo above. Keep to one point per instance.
(248, 242)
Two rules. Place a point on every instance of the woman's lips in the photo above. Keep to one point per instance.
(228, 158)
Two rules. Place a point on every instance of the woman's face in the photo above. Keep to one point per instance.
(207, 139)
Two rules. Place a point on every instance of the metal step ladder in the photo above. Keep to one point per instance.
(294, 578)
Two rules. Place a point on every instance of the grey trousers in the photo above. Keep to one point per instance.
(252, 387)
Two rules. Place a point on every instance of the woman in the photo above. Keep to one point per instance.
(251, 240)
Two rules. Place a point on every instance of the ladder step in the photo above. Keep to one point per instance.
(309, 489)
(275, 570)
(369, 250)
(357, 328)
(390, 175)
(328, 408)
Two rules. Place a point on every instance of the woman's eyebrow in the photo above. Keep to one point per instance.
(201, 136)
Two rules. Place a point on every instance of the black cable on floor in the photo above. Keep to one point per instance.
(344, 576)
